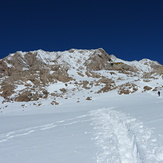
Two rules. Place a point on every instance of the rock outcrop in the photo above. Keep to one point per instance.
(25, 76)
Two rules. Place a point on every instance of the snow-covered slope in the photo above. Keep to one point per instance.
(144, 65)
(109, 128)
(80, 106)
(29, 76)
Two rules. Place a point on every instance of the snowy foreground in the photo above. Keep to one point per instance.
(110, 128)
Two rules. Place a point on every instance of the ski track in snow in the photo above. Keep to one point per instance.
(22, 132)
(123, 139)
(120, 138)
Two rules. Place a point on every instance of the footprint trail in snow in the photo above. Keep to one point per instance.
(122, 139)
(119, 138)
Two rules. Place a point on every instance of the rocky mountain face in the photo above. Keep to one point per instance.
(30, 76)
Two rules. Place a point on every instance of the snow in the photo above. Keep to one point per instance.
(109, 128)
(73, 59)
(55, 87)
(8, 65)
(143, 65)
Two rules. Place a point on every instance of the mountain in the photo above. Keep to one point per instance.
(29, 76)
(80, 106)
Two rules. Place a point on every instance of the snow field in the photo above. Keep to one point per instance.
(58, 141)
(108, 129)
(122, 139)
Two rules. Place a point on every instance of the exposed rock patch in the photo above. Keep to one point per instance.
(27, 76)
(147, 88)
(98, 61)
(127, 88)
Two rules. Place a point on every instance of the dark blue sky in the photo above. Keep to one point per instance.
(129, 29)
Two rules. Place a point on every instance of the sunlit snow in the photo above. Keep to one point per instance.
(109, 128)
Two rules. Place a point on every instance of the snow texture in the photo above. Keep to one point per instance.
(108, 129)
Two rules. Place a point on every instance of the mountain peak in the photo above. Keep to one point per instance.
(27, 76)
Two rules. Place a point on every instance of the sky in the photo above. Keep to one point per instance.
(129, 29)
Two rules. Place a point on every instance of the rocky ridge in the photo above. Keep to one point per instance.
(30, 76)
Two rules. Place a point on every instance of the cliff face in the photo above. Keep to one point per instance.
(25, 76)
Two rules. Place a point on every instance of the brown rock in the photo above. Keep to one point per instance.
(88, 98)
(147, 88)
